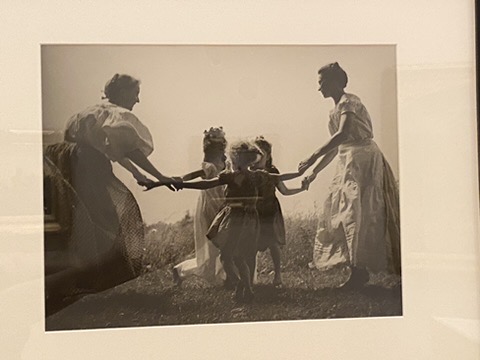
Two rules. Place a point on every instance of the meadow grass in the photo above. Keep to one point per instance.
(152, 299)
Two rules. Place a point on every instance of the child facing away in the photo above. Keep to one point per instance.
(272, 226)
(206, 264)
(235, 228)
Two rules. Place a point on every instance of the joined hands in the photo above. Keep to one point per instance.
(304, 165)
(173, 183)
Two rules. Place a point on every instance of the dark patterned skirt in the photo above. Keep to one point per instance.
(99, 233)
(272, 225)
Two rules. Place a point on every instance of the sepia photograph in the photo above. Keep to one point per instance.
(239, 180)
(202, 184)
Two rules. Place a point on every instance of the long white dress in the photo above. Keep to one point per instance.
(206, 263)
(360, 222)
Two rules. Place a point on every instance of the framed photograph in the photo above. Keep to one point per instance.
(215, 98)
(238, 71)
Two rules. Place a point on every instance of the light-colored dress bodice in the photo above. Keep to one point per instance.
(361, 128)
(111, 129)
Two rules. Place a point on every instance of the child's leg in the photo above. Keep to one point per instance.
(276, 258)
(245, 278)
(239, 289)
(251, 262)
(230, 271)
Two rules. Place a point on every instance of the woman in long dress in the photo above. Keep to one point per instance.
(206, 264)
(360, 224)
(102, 231)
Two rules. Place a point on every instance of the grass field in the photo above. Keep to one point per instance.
(152, 299)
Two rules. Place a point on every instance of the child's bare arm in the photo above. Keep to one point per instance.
(193, 175)
(280, 177)
(199, 185)
(284, 190)
(286, 176)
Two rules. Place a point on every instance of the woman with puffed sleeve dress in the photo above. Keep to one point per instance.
(102, 230)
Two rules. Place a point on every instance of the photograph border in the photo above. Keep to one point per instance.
(419, 334)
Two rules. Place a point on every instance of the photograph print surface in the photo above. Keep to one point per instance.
(217, 184)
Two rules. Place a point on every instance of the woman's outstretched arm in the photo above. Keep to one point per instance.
(138, 158)
(327, 159)
(338, 138)
(127, 164)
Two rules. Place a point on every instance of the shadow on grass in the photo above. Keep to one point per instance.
(113, 309)
(133, 306)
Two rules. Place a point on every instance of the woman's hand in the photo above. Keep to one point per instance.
(308, 180)
(305, 184)
(305, 164)
(168, 182)
(173, 183)
(302, 168)
(145, 182)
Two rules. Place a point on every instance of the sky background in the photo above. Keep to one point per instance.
(249, 90)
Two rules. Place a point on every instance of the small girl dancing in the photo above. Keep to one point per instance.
(206, 263)
(235, 228)
(272, 226)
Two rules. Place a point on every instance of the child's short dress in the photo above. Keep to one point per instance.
(235, 228)
(360, 223)
(272, 225)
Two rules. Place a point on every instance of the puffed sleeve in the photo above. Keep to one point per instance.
(209, 169)
(83, 127)
(361, 128)
(125, 133)
(348, 105)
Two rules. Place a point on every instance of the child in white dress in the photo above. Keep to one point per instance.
(206, 264)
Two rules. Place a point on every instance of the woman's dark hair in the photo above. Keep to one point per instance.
(114, 88)
(334, 72)
(266, 147)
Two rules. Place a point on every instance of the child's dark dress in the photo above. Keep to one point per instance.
(235, 228)
(272, 226)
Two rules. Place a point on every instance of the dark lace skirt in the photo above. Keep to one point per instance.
(99, 237)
